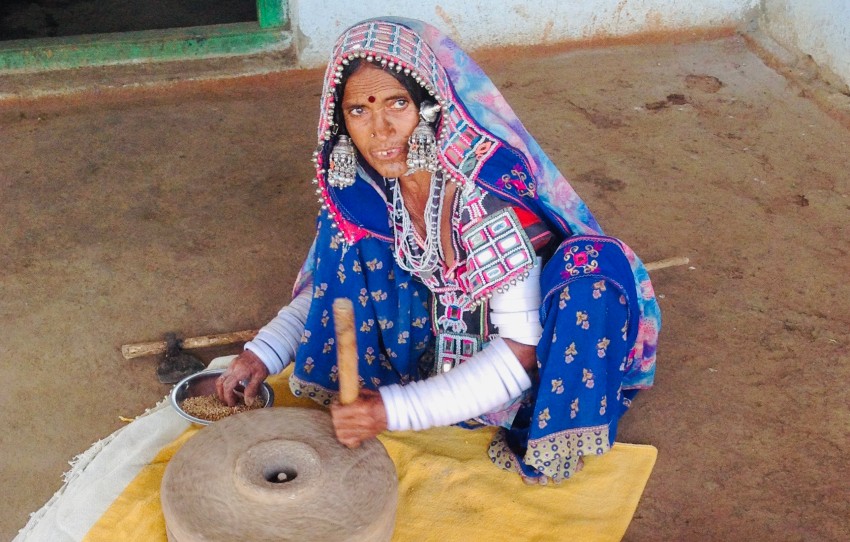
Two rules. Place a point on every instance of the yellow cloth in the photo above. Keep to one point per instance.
(448, 490)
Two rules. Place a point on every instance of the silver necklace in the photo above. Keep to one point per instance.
(422, 261)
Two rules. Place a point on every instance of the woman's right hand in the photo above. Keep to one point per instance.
(247, 367)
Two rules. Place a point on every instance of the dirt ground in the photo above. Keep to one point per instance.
(123, 218)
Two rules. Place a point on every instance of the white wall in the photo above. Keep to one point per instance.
(820, 28)
(486, 23)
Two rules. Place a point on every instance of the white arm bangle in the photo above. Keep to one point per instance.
(277, 342)
(516, 311)
(490, 379)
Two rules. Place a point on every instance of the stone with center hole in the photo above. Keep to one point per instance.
(277, 469)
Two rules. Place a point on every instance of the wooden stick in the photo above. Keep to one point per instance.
(667, 262)
(346, 350)
(138, 350)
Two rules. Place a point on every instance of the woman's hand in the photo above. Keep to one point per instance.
(246, 367)
(526, 354)
(361, 420)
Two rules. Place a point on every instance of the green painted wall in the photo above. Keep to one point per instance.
(269, 33)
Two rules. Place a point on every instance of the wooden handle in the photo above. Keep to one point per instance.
(138, 350)
(346, 350)
(667, 262)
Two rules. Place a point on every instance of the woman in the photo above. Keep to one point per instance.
(484, 290)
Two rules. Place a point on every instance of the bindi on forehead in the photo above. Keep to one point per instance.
(372, 84)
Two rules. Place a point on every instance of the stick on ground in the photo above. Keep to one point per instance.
(667, 262)
(138, 350)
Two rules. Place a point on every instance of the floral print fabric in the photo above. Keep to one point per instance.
(390, 313)
(589, 325)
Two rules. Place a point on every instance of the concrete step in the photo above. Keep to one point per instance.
(118, 62)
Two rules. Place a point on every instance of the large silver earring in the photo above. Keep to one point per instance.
(343, 164)
(422, 145)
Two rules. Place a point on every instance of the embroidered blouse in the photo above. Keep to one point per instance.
(494, 244)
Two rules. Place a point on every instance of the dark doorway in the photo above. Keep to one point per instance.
(26, 19)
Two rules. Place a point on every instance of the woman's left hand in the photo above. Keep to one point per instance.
(361, 420)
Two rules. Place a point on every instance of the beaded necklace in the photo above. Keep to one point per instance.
(422, 261)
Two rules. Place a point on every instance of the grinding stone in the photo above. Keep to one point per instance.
(223, 483)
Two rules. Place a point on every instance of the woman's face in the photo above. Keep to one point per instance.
(380, 116)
